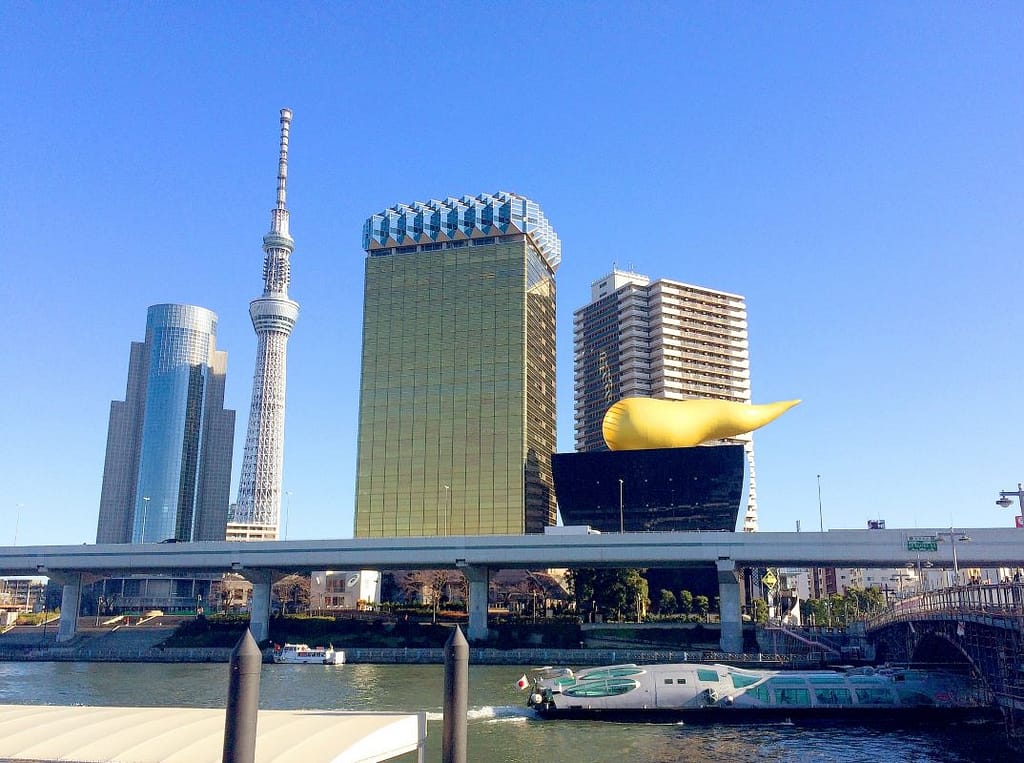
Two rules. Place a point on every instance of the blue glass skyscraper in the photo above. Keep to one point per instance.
(168, 462)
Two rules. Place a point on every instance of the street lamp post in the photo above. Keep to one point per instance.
(145, 514)
(956, 566)
(622, 523)
(920, 578)
(900, 578)
(953, 539)
(447, 492)
(17, 521)
(821, 517)
(1004, 500)
(287, 511)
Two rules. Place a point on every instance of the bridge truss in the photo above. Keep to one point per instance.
(978, 625)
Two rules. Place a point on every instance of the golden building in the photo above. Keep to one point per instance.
(457, 394)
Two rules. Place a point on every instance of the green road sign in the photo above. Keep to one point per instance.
(922, 543)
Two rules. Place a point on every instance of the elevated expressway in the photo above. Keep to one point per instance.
(261, 561)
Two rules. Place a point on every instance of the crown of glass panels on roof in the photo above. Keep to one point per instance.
(469, 217)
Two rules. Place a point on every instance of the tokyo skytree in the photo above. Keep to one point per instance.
(257, 513)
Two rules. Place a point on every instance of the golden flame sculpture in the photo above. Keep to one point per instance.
(643, 423)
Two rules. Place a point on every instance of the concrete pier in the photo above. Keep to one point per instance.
(478, 578)
(730, 607)
(70, 603)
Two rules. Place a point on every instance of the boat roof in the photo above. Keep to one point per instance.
(196, 735)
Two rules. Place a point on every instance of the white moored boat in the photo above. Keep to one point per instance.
(298, 654)
(715, 692)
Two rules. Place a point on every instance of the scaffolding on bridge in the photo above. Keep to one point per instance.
(985, 622)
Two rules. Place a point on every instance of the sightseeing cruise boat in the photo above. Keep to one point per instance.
(298, 654)
(714, 692)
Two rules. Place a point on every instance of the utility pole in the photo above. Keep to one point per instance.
(622, 523)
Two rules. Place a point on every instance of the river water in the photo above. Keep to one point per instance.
(501, 729)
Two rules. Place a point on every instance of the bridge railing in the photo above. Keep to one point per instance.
(992, 600)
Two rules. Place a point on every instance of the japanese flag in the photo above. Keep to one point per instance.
(522, 683)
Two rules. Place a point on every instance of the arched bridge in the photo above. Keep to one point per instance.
(981, 626)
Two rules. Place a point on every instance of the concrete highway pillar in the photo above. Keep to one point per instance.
(729, 607)
(478, 578)
(259, 605)
(70, 602)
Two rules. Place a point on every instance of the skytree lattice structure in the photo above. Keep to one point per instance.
(258, 510)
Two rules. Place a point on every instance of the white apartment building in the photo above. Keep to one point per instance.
(334, 589)
(662, 339)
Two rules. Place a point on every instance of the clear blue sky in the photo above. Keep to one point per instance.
(854, 169)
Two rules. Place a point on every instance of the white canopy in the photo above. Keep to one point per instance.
(196, 735)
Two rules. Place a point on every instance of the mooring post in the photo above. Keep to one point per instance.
(243, 701)
(456, 698)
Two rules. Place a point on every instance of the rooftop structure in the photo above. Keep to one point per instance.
(453, 220)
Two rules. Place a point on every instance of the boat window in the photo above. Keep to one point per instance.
(760, 692)
(740, 681)
(915, 698)
(707, 675)
(874, 696)
(609, 688)
(668, 680)
(787, 682)
(591, 675)
(832, 696)
(792, 697)
(680, 680)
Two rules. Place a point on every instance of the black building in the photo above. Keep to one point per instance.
(683, 489)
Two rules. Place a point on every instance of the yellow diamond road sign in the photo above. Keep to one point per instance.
(769, 579)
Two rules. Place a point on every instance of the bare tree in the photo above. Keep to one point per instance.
(431, 586)
(293, 593)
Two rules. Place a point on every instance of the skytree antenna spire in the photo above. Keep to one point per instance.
(257, 513)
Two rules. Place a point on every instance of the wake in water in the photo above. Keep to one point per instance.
(502, 713)
(493, 714)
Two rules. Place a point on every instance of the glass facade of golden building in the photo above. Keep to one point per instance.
(457, 398)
